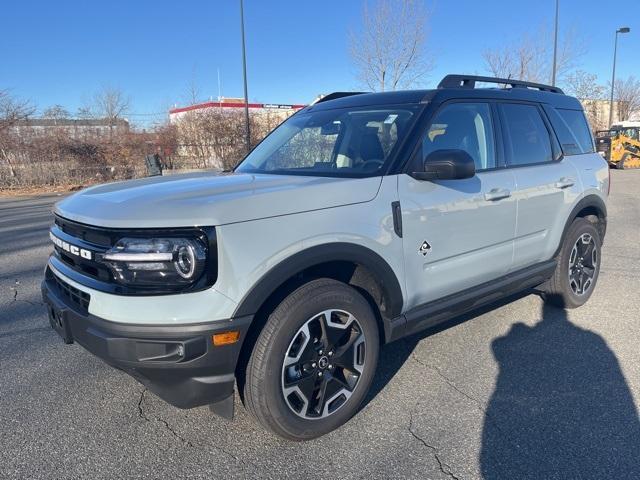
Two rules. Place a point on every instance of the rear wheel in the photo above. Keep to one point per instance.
(313, 362)
(578, 266)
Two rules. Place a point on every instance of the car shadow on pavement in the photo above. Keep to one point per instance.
(561, 407)
(394, 355)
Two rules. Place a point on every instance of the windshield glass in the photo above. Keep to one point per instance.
(340, 142)
(630, 132)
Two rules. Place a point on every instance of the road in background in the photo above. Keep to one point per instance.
(514, 391)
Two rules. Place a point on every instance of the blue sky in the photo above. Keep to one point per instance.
(60, 52)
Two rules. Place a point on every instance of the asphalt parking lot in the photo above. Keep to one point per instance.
(517, 390)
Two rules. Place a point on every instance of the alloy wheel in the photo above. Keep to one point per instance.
(583, 263)
(323, 364)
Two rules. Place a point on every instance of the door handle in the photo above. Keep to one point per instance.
(565, 182)
(497, 194)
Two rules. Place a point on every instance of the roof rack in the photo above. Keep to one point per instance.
(334, 95)
(469, 81)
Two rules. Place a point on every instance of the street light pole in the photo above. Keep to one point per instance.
(247, 133)
(613, 75)
(555, 48)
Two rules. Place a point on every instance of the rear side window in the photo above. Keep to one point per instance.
(528, 140)
(577, 123)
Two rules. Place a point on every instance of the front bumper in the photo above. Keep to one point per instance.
(179, 363)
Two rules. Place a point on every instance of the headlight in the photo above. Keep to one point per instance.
(156, 261)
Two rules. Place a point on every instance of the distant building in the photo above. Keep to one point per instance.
(72, 127)
(235, 104)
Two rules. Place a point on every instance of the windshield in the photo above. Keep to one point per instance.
(340, 142)
(632, 133)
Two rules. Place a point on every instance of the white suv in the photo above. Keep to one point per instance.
(361, 219)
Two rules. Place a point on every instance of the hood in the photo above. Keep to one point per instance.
(205, 198)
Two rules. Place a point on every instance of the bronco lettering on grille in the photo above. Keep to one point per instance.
(72, 249)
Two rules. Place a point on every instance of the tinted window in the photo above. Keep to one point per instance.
(528, 139)
(579, 127)
(463, 126)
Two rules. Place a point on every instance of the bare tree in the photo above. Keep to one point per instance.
(193, 90)
(56, 112)
(214, 137)
(84, 112)
(111, 104)
(627, 95)
(530, 57)
(389, 52)
(585, 87)
(12, 111)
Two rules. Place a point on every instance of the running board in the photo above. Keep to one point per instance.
(432, 313)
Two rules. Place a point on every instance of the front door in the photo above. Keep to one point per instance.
(458, 233)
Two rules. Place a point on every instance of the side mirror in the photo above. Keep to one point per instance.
(447, 165)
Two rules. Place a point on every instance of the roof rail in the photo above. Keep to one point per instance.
(469, 81)
(334, 95)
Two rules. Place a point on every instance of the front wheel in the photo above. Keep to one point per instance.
(314, 361)
(578, 266)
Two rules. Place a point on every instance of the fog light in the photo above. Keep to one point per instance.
(225, 338)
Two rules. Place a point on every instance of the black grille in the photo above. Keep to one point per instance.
(95, 235)
(90, 268)
(95, 239)
(77, 297)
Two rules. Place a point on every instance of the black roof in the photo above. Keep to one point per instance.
(452, 87)
(397, 97)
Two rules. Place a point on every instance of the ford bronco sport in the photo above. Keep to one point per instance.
(360, 220)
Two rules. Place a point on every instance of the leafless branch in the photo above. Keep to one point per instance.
(112, 104)
(530, 57)
(389, 52)
(627, 96)
(13, 110)
(56, 112)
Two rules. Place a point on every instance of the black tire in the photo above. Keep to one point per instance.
(562, 290)
(266, 373)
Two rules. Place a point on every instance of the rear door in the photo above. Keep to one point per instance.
(546, 184)
(458, 233)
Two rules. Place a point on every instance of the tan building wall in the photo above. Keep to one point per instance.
(597, 112)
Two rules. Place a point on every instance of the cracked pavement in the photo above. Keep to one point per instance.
(516, 390)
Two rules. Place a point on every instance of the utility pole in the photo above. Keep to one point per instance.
(247, 133)
(555, 48)
(613, 75)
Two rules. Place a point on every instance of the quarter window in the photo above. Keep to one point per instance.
(528, 140)
(578, 125)
(463, 126)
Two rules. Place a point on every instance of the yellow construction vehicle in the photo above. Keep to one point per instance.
(620, 145)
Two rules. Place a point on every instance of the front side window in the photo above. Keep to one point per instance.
(528, 140)
(463, 126)
(339, 142)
